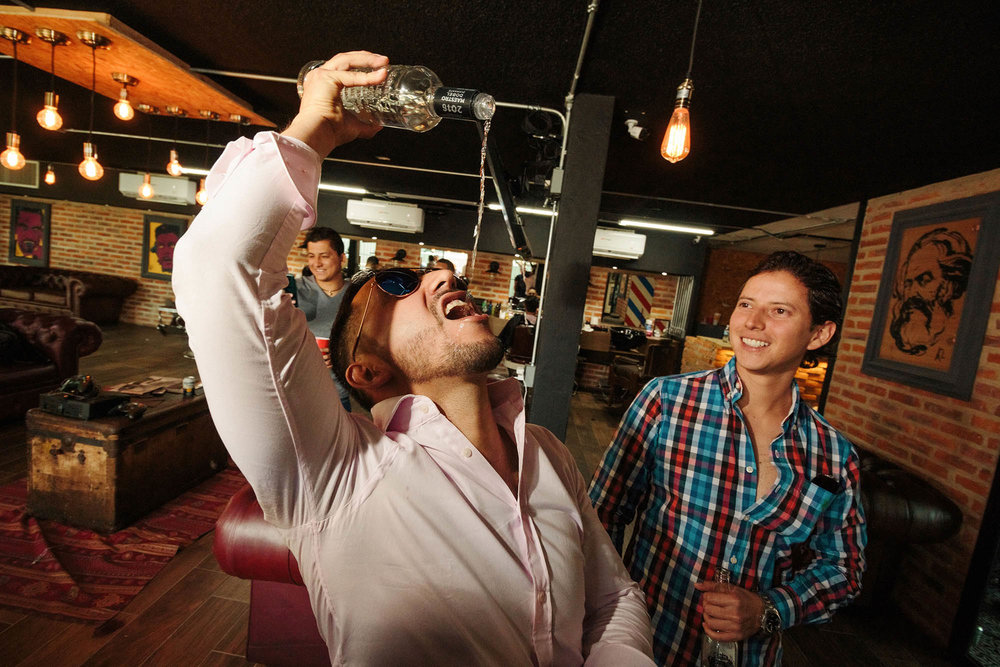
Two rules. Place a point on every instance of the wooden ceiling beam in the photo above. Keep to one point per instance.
(164, 80)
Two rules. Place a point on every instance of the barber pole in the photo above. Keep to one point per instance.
(640, 301)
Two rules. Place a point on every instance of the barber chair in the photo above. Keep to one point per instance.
(282, 628)
(522, 345)
(626, 338)
(629, 373)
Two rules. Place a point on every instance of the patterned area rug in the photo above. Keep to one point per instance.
(59, 570)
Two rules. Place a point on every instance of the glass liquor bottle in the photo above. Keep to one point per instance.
(713, 652)
(411, 98)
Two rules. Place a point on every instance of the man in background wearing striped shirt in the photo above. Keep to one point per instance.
(730, 469)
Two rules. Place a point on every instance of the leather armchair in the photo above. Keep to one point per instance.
(60, 340)
(282, 629)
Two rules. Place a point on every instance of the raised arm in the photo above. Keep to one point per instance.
(270, 395)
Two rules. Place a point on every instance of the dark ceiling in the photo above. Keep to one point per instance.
(797, 106)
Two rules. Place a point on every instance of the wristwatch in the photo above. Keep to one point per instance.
(770, 619)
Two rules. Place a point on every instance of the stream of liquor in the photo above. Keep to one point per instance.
(482, 197)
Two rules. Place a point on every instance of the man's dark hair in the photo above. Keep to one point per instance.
(825, 302)
(164, 229)
(531, 304)
(341, 340)
(317, 234)
(447, 262)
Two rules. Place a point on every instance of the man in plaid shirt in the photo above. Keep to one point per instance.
(730, 469)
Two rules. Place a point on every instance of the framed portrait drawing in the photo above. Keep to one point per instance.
(934, 300)
(159, 236)
(29, 232)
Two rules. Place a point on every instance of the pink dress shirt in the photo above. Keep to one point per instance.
(412, 548)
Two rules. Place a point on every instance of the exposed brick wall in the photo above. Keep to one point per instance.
(951, 443)
(102, 239)
(664, 293)
(725, 272)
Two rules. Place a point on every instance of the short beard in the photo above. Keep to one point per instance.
(456, 361)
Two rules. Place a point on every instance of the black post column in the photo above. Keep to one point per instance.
(567, 264)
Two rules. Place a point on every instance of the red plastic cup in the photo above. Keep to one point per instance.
(323, 343)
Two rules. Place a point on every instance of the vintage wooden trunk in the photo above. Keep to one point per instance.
(105, 473)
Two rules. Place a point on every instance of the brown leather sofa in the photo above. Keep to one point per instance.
(53, 345)
(92, 296)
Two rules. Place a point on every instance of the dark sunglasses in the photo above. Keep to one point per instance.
(399, 283)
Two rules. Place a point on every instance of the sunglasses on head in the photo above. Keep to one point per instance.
(399, 283)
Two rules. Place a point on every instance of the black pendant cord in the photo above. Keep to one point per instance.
(52, 69)
(694, 34)
(93, 85)
(149, 141)
(208, 133)
(13, 100)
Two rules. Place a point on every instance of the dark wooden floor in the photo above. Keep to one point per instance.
(194, 614)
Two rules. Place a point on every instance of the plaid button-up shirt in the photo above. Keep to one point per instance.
(684, 461)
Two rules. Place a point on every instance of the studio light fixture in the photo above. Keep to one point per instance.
(526, 210)
(50, 176)
(677, 139)
(123, 108)
(667, 227)
(49, 117)
(349, 189)
(11, 157)
(90, 168)
(174, 167)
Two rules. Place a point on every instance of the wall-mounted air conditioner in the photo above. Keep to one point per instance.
(392, 216)
(166, 189)
(25, 177)
(619, 243)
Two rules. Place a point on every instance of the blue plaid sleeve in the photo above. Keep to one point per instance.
(621, 482)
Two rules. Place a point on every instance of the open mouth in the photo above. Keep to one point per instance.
(752, 342)
(457, 307)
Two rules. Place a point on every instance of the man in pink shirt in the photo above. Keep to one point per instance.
(445, 530)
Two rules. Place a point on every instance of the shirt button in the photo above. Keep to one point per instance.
(750, 469)
(467, 453)
(733, 560)
(424, 409)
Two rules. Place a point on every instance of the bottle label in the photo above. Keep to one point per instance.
(454, 102)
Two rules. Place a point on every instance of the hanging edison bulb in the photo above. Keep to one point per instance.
(90, 168)
(49, 117)
(174, 167)
(12, 157)
(146, 189)
(202, 195)
(123, 108)
(50, 176)
(677, 140)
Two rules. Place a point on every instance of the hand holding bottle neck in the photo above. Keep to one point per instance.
(322, 122)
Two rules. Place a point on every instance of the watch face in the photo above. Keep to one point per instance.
(772, 622)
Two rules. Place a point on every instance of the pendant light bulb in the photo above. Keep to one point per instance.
(12, 157)
(50, 176)
(146, 189)
(174, 167)
(49, 117)
(123, 108)
(90, 168)
(677, 139)
(202, 195)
